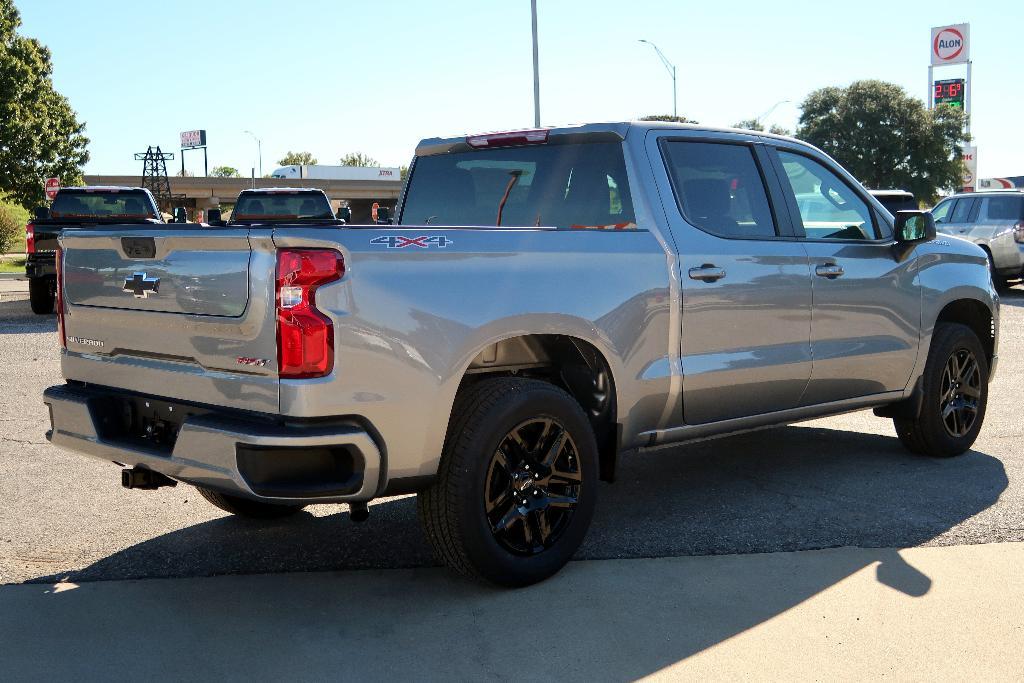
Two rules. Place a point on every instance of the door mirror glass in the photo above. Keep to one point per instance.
(345, 214)
(914, 226)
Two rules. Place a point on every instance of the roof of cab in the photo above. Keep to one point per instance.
(614, 130)
(280, 190)
(102, 188)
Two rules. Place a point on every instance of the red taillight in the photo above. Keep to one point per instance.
(305, 336)
(30, 238)
(1018, 232)
(59, 256)
(509, 139)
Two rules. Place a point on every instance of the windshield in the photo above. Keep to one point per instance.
(566, 186)
(282, 205)
(109, 205)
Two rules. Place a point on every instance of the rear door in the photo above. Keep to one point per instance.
(746, 291)
(867, 305)
(179, 313)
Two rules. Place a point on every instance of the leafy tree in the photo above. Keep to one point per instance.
(297, 159)
(886, 138)
(225, 172)
(12, 227)
(184, 173)
(403, 172)
(667, 117)
(40, 135)
(358, 159)
(755, 124)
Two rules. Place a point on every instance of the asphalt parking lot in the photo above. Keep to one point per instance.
(842, 481)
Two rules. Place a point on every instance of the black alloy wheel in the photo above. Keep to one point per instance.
(532, 487)
(960, 392)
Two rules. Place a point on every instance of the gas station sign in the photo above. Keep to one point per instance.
(950, 92)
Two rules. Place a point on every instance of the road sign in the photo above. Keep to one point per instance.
(52, 185)
(951, 44)
(190, 139)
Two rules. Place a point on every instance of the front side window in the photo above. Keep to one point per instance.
(577, 185)
(829, 208)
(719, 188)
(941, 211)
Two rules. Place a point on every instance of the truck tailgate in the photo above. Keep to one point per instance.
(179, 313)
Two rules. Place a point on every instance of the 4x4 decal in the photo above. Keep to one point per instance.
(423, 241)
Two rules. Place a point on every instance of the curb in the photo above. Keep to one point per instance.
(13, 276)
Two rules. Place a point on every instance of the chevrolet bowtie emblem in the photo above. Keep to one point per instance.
(141, 285)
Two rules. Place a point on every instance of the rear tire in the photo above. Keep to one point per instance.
(955, 386)
(244, 507)
(516, 485)
(41, 295)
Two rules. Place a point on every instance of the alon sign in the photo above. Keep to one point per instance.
(951, 44)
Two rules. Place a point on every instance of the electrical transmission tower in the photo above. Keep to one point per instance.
(154, 175)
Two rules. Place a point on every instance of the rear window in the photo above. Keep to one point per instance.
(102, 205)
(578, 185)
(282, 205)
(897, 202)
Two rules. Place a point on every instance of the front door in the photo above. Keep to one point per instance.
(867, 304)
(746, 291)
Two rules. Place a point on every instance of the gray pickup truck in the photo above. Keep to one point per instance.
(544, 302)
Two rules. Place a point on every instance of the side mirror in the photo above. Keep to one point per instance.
(914, 226)
(213, 217)
(180, 214)
(383, 216)
(345, 214)
(41, 213)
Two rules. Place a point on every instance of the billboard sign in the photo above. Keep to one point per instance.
(1012, 183)
(190, 139)
(970, 158)
(951, 44)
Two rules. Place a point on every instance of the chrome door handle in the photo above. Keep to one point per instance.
(707, 273)
(829, 270)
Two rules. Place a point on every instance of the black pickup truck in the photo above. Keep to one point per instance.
(77, 207)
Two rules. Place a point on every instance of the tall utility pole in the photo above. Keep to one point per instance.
(536, 68)
(671, 68)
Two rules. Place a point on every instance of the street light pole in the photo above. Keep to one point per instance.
(536, 67)
(770, 110)
(671, 68)
(259, 149)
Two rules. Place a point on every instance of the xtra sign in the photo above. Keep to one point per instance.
(951, 44)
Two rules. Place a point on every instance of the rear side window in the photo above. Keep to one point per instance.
(941, 211)
(282, 206)
(579, 185)
(719, 188)
(102, 205)
(1002, 209)
(962, 210)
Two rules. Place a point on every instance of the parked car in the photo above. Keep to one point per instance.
(992, 220)
(896, 200)
(545, 303)
(73, 208)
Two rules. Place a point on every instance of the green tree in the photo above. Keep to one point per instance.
(358, 159)
(225, 172)
(12, 227)
(40, 135)
(667, 117)
(886, 138)
(297, 159)
(755, 124)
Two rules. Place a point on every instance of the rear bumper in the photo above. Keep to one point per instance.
(255, 458)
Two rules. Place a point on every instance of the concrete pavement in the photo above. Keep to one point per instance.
(837, 614)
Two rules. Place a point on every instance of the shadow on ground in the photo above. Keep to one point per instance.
(787, 489)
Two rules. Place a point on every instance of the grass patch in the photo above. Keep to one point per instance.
(12, 265)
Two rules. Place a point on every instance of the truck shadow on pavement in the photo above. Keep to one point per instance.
(792, 488)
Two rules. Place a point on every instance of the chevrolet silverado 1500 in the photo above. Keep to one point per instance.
(545, 302)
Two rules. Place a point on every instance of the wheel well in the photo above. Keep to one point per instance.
(976, 316)
(568, 362)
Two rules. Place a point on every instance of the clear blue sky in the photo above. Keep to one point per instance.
(333, 77)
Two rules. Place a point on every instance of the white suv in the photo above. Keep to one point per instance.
(992, 220)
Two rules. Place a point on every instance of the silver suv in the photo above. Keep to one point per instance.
(992, 220)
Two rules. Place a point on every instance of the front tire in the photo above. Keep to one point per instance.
(41, 295)
(955, 386)
(517, 483)
(244, 507)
